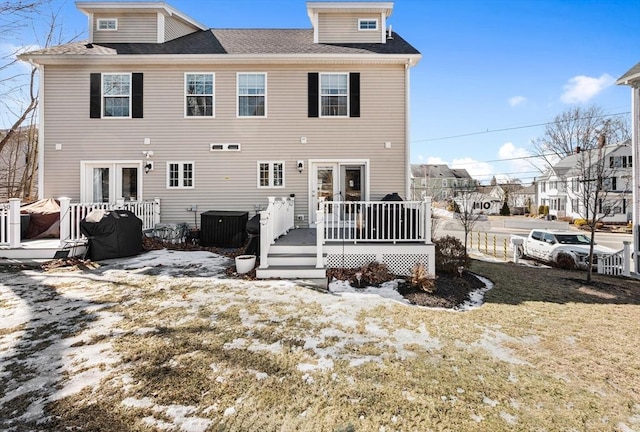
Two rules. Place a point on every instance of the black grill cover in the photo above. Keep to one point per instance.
(118, 234)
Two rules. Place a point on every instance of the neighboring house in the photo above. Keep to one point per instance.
(492, 198)
(561, 189)
(439, 181)
(156, 104)
(632, 79)
(18, 164)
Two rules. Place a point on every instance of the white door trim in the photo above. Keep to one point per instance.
(313, 163)
(86, 185)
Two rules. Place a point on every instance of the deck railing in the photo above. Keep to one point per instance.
(353, 221)
(617, 264)
(70, 216)
(275, 221)
(147, 211)
(377, 221)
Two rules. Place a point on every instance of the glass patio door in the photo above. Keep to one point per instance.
(336, 182)
(108, 182)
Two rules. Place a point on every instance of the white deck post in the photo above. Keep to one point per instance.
(626, 258)
(319, 236)
(65, 220)
(156, 212)
(265, 242)
(14, 223)
(427, 220)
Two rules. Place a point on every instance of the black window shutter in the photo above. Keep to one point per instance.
(354, 94)
(313, 94)
(95, 96)
(136, 95)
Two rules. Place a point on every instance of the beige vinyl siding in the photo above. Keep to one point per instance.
(224, 180)
(174, 28)
(133, 28)
(343, 28)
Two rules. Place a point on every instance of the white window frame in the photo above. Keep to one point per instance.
(99, 21)
(86, 180)
(361, 21)
(213, 95)
(238, 95)
(102, 95)
(321, 94)
(271, 165)
(181, 178)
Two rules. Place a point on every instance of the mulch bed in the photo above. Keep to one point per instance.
(450, 291)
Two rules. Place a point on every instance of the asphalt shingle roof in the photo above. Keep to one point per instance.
(236, 41)
(633, 72)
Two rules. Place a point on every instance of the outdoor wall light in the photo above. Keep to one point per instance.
(300, 166)
(148, 167)
(147, 153)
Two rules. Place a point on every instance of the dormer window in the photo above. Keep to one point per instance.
(367, 24)
(107, 24)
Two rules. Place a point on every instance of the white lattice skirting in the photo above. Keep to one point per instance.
(399, 259)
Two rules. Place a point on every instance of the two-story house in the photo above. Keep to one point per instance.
(562, 187)
(439, 181)
(157, 105)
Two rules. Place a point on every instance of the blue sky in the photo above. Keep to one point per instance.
(487, 65)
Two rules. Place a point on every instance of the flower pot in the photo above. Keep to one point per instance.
(245, 263)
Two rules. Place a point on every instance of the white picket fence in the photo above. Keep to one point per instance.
(275, 221)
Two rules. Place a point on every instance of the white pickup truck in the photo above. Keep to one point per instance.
(556, 247)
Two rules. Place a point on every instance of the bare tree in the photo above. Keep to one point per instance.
(596, 193)
(580, 128)
(465, 211)
(19, 94)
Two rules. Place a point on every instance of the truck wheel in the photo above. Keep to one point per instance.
(565, 261)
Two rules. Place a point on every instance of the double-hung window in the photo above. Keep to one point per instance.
(334, 95)
(199, 100)
(252, 94)
(116, 95)
(180, 175)
(271, 174)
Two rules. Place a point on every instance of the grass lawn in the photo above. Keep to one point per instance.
(129, 347)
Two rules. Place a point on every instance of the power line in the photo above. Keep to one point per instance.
(514, 128)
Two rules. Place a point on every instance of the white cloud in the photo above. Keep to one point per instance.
(517, 100)
(582, 88)
(436, 161)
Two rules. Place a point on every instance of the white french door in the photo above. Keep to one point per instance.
(109, 181)
(336, 182)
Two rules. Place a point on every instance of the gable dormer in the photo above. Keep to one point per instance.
(349, 22)
(136, 22)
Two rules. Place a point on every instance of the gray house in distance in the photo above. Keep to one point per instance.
(439, 181)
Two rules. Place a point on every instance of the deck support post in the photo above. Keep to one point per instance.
(14, 223)
(319, 236)
(65, 220)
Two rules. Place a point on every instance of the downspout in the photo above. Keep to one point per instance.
(407, 130)
(40, 128)
(635, 150)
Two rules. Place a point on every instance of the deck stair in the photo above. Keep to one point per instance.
(291, 262)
